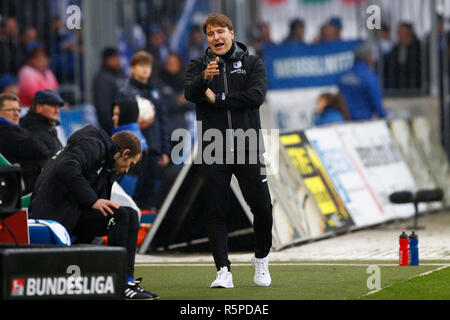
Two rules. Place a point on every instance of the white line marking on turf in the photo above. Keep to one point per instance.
(442, 266)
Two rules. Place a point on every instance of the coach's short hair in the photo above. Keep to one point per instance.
(127, 140)
(7, 96)
(141, 57)
(217, 19)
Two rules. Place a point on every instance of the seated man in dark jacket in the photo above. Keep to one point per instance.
(18, 145)
(74, 189)
(40, 121)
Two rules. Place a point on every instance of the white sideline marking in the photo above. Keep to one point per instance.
(442, 266)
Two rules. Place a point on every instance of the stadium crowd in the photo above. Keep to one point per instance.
(30, 62)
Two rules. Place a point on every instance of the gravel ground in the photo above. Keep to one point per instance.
(376, 243)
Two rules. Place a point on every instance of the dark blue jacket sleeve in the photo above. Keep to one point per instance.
(195, 84)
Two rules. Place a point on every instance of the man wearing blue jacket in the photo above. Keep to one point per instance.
(360, 87)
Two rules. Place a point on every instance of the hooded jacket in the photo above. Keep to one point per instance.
(240, 90)
(75, 178)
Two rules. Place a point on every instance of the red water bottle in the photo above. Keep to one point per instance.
(404, 250)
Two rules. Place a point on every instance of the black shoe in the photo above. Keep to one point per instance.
(133, 292)
(140, 289)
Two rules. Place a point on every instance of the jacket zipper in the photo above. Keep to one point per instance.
(230, 126)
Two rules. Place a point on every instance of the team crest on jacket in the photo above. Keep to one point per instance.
(237, 64)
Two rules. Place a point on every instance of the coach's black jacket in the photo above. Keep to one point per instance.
(75, 178)
(240, 90)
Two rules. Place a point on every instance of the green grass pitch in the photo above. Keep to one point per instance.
(300, 280)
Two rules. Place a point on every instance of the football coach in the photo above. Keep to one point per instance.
(228, 85)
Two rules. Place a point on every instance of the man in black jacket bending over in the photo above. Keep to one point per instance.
(74, 189)
(228, 86)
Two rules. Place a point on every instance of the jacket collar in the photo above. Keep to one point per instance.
(140, 85)
(239, 51)
(90, 132)
(4, 121)
(39, 119)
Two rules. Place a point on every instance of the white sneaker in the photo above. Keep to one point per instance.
(262, 275)
(224, 279)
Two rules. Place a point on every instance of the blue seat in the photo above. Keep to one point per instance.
(48, 232)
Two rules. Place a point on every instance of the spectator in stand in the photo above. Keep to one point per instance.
(330, 108)
(296, 31)
(8, 83)
(153, 124)
(19, 145)
(404, 63)
(10, 51)
(336, 26)
(382, 43)
(196, 45)
(29, 35)
(172, 89)
(441, 36)
(259, 37)
(159, 49)
(41, 120)
(360, 87)
(35, 75)
(63, 50)
(327, 34)
(108, 80)
(265, 32)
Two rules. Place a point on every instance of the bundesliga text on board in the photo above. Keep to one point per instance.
(57, 286)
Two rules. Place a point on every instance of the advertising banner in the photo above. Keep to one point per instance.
(413, 156)
(433, 152)
(69, 273)
(296, 65)
(359, 197)
(380, 163)
(293, 109)
(315, 177)
(296, 216)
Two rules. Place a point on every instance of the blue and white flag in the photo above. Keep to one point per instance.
(297, 65)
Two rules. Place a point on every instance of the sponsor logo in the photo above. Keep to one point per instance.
(62, 286)
(17, 287)
(240, 71)
(237, 64)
